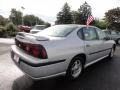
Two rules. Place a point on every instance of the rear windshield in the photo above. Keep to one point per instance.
(58, 30)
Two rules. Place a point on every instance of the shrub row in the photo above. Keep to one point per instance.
(9, 30)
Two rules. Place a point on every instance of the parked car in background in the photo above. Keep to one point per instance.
(61, 50)
(23, 28)
(114, 35)
(37, 28)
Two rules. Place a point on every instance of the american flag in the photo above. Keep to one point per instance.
(89, 20)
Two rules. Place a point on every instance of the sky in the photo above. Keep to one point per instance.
(48, 9)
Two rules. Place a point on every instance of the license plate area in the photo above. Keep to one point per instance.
(16, 58)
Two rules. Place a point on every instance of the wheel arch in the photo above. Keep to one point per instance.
(72, 60)
(81, 55)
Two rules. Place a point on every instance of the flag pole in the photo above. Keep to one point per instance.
(87, 23)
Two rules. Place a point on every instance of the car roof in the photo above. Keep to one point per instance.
(77, 25)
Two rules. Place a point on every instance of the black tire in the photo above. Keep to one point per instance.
(70, 75)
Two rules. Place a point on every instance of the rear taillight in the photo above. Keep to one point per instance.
(33, 49)
(37, 51)
(43, 53)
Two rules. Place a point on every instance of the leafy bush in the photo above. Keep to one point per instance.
(102, 24)
(2, 31)
(11, 29)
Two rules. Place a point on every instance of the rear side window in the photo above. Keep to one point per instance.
(58, 30)
(90, 34)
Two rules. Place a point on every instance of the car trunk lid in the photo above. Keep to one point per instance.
(30, 38)
(30, 44)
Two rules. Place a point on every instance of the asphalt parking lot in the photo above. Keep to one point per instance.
(104, 75)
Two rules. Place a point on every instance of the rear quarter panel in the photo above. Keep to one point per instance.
(64, 48)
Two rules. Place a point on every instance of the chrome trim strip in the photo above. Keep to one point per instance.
(100, 51)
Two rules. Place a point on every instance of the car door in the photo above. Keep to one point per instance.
(106, 46)
(93, 45)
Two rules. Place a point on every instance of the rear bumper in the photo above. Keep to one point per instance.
(39, 69)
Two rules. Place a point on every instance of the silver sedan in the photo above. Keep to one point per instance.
(61, 50)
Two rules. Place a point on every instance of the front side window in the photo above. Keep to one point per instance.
(101, 34)
(89, 34)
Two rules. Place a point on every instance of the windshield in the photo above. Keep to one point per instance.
(58, 30)
(39, 27)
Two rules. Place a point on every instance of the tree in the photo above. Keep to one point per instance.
(32, 20)
(39, 21)
(102, 24)
(3, 21)
(16, 17)
(10, 29)
(113, 16)
(83, 12)
(76, 17)
(64, 16)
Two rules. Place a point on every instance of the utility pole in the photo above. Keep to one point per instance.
(22, 15)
